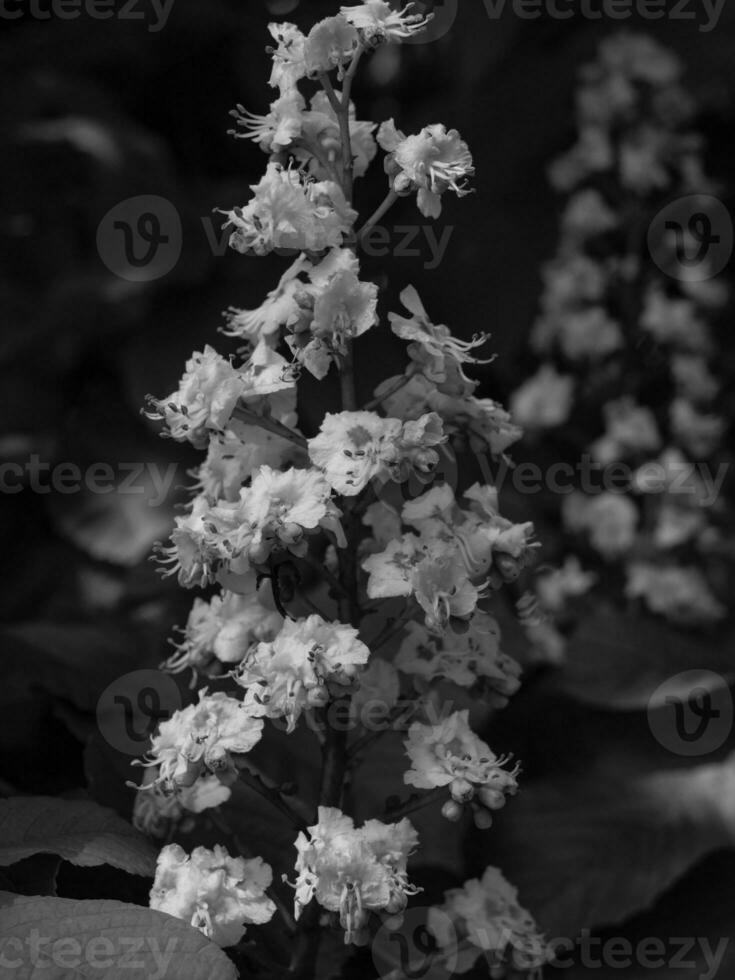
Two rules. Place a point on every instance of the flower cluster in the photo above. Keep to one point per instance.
(299, 526)
(455, 559)
(220, 632)
(225, 541)
(214, 892)
(290, 211)
(296, 670)
(354, 871)
(472, 659)
(486, 918)
(628, 374)
(203, 740)
(450, 754)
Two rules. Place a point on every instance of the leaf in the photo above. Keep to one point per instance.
(596, 849)
(77, 830)
(620, 661)
(105, 939)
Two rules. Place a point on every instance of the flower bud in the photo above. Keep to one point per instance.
(452, 811)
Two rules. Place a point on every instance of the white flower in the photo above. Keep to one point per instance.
(450, 754)
(384, 521)
(637, 56)
(341, 308)
(556, 586)
(679, 593)
(207, 394)
(157, 813)
(235, 454)
(544, 401)
(285, 506)
(278, 128)
(592, 154)
(321, 146)
(377, 21)
(699, 434)
(630, 428)
(292, 673)
(693, 378)
(278, 309)
(433, 348)
(467, 659)
(586, 215)
(431, 162)
(674, 321)
(222, 630)
(201, 740)
(200, 553)
(609, 519)
(487, 915)
(352, 448)
(354, 871)
(589, 333)
(331, 43)
(212, 891)
(289, 64)
(288, 211)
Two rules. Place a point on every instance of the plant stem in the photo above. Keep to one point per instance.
(415, 803)
(260, 785)
(388, 202)
(401, 383)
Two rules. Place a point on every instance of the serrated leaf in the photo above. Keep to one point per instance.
(593, 851)
(78, 831)
(103, 939)
(619, 661)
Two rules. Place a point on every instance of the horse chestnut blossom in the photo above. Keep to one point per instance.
(616, 311)
(301, 522)
(353, 448)
(226, 540)
(203, 739)
(436, 353)
(220, 632)
(354, 871)
(216, 893)
(289, 210)
(484, 918)
(450, 754)
(377, 21)
(296, 670)
(466, 659)
(207, 394)
(236, 454)
(431, 162)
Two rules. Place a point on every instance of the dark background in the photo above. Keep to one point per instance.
(94, 112)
